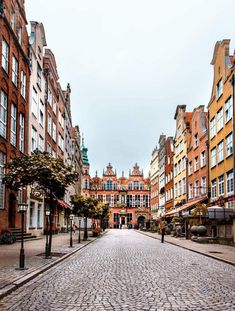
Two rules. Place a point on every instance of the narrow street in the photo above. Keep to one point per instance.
(125, 270)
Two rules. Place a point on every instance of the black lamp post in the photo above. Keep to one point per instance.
(22, 208)
(71, 229)
(79, 231)
(47, 250)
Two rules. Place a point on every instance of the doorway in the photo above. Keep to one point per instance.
(123, 220)
(141, 221)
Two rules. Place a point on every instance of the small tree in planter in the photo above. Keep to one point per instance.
(84, 207)
(50, 175)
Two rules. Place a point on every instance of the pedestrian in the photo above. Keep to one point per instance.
(162, 230)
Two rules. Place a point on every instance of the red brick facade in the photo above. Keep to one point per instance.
(128, 198)
(14, 93)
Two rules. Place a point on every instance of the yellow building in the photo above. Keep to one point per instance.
(220, 116)
(181, 143)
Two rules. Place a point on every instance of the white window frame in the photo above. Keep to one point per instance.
(196, 164)
(221, 185)
(203, 158)
(213, 189)
(212, 128)
(229, 182)
(49, 124)
(3, 114)
(229, 144)
(219, 89)
(220, 120)
(228, 109)
(5, 55)
(13, 124)
(21, 133)
(53, 131)
(203, 185)
(15, 66)
(23, 84)
(33, 138)
(213, 157)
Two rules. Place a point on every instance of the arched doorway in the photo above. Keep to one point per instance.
(141, 221)
(12, 210)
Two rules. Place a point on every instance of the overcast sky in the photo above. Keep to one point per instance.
(130, 63)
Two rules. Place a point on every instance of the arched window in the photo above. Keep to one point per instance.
(109, 185)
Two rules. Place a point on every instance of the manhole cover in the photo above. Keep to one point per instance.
(52, 254)
(215, 252)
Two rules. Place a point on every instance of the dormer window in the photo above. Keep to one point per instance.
(219, 89)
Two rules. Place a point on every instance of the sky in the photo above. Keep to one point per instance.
(129, 64)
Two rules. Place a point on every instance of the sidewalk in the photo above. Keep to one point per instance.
(10, 278)
(217, 251)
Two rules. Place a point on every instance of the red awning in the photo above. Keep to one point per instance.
(62, 204)
(185, 206)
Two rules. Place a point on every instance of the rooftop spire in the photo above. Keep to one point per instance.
(84, 153)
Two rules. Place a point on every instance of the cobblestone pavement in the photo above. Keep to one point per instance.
(127, 271)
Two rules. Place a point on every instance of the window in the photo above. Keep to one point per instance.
(54, 106)
(203, 158)
(176, 190)
(19, 34)
(230, 182)
(86, 184)
(109, 185)
(179, 167)
(213, 157)
(175, 169)
(213, 189)
(14, 70)
(129, 217)
(196, 164)
(2, 186)
(129, 200)
(39, 218)
(116, 217)
(54, 131)
(219, 89)
(137, 200)
(203, 185)
(13, 124)
(136, 185)
(3, 115)
(196, 188)
(39, 75)
(31, 214)
(179, 131)
(195, 140)
(220, 122)
(5, 55)
(33, 139)
(184, 185)
(228, 109)
(212, 128)
(12, 19)
(21, 136)
(221, 184)
(190, 168)
(115, 186)
(61, 142)
(183, 163)
(41, 113)
(190, 191)
(23, 84)
(130, 186)
(49, 97)
(141, 186)
(179, 188)
(220, 151)
(35, 103)
(145, 200)
(229, 145)
(49, 124)
(108, 198)
(41, 143)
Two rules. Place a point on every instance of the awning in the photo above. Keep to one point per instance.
(185, 206)
(62, 204)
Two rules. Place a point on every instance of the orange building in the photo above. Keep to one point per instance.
(128, 198)
(221, 134)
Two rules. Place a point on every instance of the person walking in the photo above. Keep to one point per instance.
(162, 230)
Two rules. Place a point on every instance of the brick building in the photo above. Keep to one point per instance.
(154, 182)
(197, 180)
(169, 191)
(128, 198)
(14, 93)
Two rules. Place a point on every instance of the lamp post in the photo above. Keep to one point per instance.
(71, 233)
(22, 208)
(47, 250)
(79, 231)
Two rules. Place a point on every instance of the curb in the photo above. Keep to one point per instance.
(192, 250)
(25, 279)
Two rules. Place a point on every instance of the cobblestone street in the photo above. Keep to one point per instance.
(125, 270)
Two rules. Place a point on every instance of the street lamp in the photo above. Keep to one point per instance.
(71, 217)
(79, 231)
(22, 208)
(47, 250)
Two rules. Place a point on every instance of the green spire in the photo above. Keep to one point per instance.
(84, 154)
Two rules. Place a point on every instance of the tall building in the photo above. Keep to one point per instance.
(181, 144)
(221, 133)
(35, 212)
(162, 174)
(128, 198)
(77, 158)
(154, 183)
(197, 170)
(14, 94)
(169, 186)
